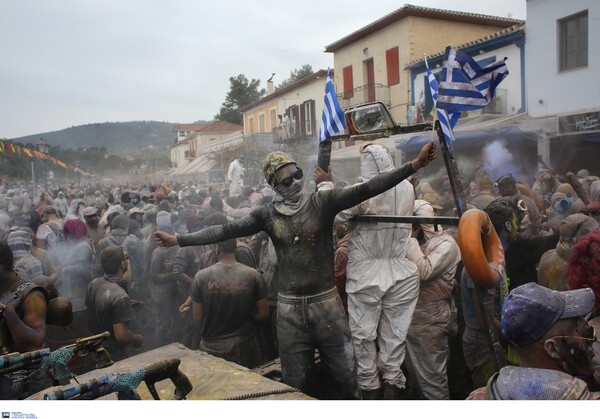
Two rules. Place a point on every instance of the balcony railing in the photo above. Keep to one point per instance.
(294, 131)
(364, 94)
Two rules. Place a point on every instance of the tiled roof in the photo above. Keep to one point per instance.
(286, 89)
(479, 41)
(221, 126)
(410, 10)
(188, 127)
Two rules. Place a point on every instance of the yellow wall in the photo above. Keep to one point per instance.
(413, 36)
(254, 113)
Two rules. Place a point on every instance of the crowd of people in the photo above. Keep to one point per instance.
(250, 274)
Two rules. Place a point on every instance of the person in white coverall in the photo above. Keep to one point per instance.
(234, 176)
(382, 284)
(436, 255)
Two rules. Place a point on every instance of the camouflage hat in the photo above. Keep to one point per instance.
(273, 162)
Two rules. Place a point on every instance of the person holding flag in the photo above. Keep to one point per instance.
(465, 86)
(300, 224)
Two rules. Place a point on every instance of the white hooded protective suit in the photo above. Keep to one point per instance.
(427, 341)
(382, 285)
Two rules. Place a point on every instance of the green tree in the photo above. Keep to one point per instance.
(241, 92)
(297, 74)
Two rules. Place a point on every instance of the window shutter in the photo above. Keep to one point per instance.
(393, 66)
(348, 83)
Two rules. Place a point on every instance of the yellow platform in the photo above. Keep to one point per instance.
(212, 378)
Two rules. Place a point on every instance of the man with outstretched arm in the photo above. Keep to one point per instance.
(310, 313)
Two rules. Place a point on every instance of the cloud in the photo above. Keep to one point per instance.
(69, 62)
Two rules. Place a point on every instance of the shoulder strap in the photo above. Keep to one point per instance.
(23, 291)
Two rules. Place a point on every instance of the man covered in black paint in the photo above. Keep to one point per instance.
(310, 312)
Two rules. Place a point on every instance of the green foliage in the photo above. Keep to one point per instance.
(297, 74)
(241, 92)
(116, 137)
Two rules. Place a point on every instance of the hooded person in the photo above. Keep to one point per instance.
(553, 264)
(568, 190)
(300, 224)
(235, 175)
(74, 212)
(91, 218)
(61, 204)
(381, 283)
(119, 230)
(544, 186)
(112, 211)
(507, 187)
(560, 207)
(436, 255)
(593, 210)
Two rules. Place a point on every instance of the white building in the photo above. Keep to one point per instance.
(562, 69)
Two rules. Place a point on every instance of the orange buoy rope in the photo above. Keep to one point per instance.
(480, 248)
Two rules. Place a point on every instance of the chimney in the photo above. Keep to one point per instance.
(269, 87)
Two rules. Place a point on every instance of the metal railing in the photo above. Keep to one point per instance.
(368, 93)
(294, 131)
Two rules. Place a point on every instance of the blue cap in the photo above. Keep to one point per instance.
(531, 310)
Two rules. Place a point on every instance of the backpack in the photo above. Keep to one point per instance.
(58, 231)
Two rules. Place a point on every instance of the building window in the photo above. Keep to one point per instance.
(251, 125)
(308, 118)
(573, 39)
(273, 117)
(393, 66)
(261, 122)
(348, 82)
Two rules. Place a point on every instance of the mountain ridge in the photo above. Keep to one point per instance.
(118, 137)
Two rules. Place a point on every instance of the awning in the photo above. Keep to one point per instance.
(483, 129)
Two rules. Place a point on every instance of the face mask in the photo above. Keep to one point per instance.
(290, 191)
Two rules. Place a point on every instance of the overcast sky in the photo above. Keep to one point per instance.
(72, 62)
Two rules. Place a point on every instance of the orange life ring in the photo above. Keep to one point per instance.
(480, 248)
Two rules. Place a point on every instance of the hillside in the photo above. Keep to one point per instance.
(117, 137)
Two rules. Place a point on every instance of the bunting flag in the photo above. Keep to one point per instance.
(11, 148)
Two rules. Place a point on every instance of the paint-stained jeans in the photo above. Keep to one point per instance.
(306, 323)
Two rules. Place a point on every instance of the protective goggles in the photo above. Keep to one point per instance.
(288, 180)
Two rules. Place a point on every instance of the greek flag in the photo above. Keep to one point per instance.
(447, 121)
(464, 85)
(332, 120)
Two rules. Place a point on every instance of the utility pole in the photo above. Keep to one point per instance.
(77, 166)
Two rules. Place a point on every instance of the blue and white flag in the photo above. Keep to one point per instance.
(464, 85)
(447, 121)
(332, 120)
